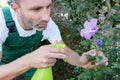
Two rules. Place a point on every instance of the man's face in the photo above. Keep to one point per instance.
(35, 13)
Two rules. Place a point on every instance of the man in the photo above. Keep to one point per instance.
(33, 24)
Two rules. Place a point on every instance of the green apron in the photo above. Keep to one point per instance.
(16, 46)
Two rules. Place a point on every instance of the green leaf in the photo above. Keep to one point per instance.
(116, 66)
(115, 17)
(92, 59)
(98, 58)
(106, 27)
(78, 9)
(116, 7)
(85, 43)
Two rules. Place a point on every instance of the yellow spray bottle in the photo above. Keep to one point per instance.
(46, 73)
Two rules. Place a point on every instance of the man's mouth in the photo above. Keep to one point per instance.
(40, 27)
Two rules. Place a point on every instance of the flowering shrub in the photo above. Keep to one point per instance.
(90, 28)
(106, 39)
(93, 24)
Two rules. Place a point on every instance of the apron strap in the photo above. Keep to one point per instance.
(8, 18)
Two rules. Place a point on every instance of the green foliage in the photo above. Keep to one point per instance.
(115, 18)
(94, 59)
(108, 14)
(85, 43)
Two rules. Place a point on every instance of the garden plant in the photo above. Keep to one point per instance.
(91, 24)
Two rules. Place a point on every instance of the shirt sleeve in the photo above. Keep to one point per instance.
(52, 32)
(3, 30)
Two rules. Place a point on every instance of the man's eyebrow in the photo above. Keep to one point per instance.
(50, 4)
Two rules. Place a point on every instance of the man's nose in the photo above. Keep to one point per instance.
(45, 15)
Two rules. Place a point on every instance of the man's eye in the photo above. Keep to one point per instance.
(37, 9)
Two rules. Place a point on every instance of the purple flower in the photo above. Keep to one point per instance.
(90, 28)
(98, 43)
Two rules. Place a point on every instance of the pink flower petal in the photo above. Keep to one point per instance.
(93, 22)
(90, 28)
(82, 33)
(86, 25)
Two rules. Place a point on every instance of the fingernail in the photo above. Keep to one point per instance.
(106, 63)
(97, 64)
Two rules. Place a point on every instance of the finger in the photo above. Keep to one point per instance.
(106, 63)
(88, 66)
(103, 62)
(46, 65)
(103, 56)
(58, 55)
(51, 61)
(48, 60)
(55, 49)
(100, 53)
(105, 59)
(51, 64)
(91, 52)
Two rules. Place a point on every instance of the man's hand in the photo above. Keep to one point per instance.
(82, 61)
(45, 56)
(85, 62)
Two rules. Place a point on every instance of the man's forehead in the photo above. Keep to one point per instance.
(35, 1)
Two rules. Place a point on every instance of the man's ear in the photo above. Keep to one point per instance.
(15, 8)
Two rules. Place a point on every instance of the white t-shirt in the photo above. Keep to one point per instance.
(51, 33)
